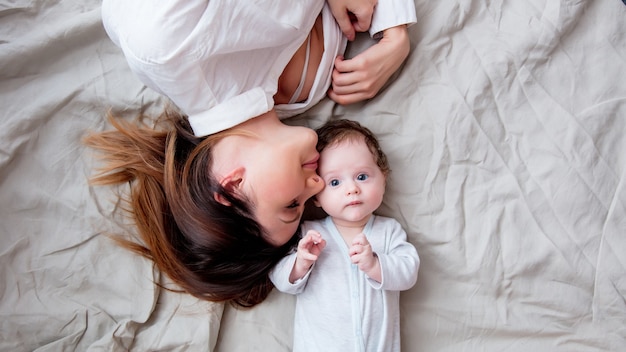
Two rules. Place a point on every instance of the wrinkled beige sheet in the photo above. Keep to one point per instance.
(64, 286)
(506, 133)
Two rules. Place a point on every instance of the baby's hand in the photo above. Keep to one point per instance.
(309, 249)
(362, 255)
(310, 246)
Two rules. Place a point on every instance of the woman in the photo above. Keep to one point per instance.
(218, 198)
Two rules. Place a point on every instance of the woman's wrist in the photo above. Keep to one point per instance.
(399, 37)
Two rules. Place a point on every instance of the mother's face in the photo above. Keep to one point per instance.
(282, 177)
(279, 163)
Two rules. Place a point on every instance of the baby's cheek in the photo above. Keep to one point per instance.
(324, 198)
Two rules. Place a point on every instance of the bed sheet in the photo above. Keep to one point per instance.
(64, 285)
(506, 135)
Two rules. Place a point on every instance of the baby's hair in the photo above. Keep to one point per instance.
(337, 131)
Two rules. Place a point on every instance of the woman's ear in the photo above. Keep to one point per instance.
(232, 183)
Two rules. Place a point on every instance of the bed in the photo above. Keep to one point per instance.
(506, 135)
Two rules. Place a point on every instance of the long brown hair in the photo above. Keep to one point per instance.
(213, 251)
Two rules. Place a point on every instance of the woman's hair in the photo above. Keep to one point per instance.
(336, 131)
(213, 251)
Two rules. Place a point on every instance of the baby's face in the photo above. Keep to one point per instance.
(354, 184)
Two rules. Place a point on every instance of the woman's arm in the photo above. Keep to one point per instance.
(352, 15)
(361, 77)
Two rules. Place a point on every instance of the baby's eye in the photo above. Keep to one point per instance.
(362, 177)
(294, 204)
(333, 183)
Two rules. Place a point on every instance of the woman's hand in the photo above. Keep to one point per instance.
(352, 15)
(361, 77)
(309, 249)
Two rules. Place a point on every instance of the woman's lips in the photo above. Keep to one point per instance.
(311, 164)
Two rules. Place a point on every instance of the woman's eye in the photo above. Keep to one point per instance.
(293, 205)
(362, 177)
(333, 183)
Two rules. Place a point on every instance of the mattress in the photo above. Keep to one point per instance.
(506, 135)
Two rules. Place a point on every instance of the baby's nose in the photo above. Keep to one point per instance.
(353, 189)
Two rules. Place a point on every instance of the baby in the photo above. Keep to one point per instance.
(350, 267)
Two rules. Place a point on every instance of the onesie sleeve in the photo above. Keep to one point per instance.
(280, 276)
(392, 13)
(400, 263)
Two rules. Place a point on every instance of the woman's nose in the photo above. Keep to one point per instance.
(306, 137)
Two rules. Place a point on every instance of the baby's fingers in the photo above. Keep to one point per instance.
(311, 237)
(360, 239)
(355, 249)
(312, 243)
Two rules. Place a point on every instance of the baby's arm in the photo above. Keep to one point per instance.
(362, 255)
(400, 262)
(309, 249)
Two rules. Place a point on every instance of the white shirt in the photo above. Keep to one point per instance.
(219, 61)
(338, 307)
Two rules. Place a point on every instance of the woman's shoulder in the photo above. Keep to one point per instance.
(156, 31)
(136, 25)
